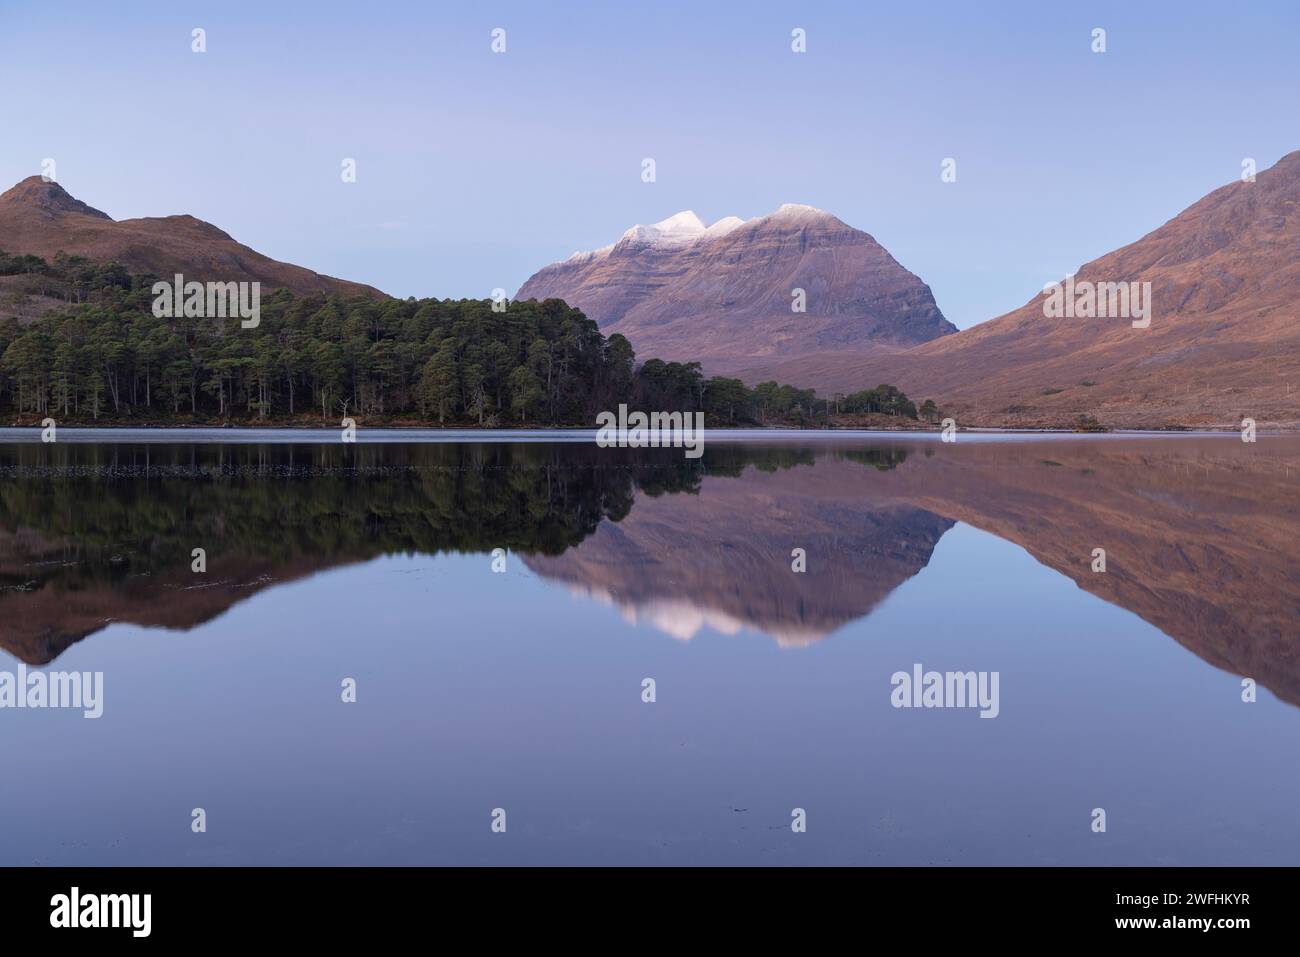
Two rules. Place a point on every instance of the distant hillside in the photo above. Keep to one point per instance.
(42, 219)
(1224, 342)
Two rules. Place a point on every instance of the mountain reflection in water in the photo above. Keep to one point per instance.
(1202, 534)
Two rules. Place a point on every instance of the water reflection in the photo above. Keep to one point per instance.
(1202, 535)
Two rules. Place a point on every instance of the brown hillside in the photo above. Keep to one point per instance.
(684, 291)
(40, 219)
(1224, 342)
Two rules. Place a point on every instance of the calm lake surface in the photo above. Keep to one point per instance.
(522, 689)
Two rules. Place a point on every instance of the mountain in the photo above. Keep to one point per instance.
(1223, 343)
(40, 218)
(681, 290)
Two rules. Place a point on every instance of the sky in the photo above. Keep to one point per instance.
(474, 168)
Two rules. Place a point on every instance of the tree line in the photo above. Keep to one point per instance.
(252, 503)
(439, 361)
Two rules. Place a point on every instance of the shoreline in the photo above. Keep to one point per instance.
(318, 436)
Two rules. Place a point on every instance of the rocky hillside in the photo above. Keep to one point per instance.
(1223, 343)
(725, 293)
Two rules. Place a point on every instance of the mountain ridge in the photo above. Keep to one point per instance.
(686, 291)
(1224, 342)
(39, 217)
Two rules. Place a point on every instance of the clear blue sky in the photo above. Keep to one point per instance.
(476, 169)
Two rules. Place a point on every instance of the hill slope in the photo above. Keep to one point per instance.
(1224, 342)
(683, 291)
(40, 219)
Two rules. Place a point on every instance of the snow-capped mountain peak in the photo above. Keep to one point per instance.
(684, 227)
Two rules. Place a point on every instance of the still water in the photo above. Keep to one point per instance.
(522, 689)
